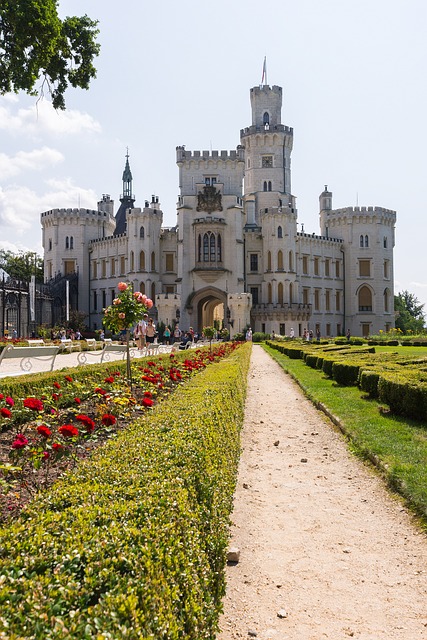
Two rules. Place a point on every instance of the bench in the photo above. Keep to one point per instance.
(35, 342)
(91, 343)
(68, 344)
(104, 355)
(27, 355)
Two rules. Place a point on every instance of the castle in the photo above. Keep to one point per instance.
(235, 253)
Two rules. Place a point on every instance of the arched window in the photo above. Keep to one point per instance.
(266, 118)
(153, 261)
(280, 260)
(265, 185)
(366, 241)
(50, 244)
(269, 261)
(210, 247)
(269, 293)
(385, 242)
(212, 252)
(142, 287)
(386, 300)
(153, 292)
(365, 299)
(206, 248)
(361, 241)
(291, 293)
(132, 261)
(291, 261)
(269, 185)
(279, 232)
(280, 293)
(141, 232)
(67, 242)
(71, 242)
(142, 260)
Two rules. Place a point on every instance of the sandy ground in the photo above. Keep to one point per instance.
(322, 543)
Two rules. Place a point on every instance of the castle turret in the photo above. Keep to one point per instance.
(127, 199)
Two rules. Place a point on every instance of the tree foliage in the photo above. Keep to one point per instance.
(22, 265)
(36, 44)
(409, 313)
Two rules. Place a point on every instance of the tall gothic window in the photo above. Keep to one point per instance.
(67, 242)
(142, 260)
(279, 232)
(209, 247)
(266, 118)
(280, 260)
(141, 232)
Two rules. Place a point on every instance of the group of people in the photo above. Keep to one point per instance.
(146, 333)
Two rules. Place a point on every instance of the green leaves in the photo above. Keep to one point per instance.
(36, 45)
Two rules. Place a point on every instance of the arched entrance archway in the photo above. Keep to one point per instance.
(207, 307)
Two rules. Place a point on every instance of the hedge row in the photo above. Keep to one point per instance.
(397, 380)
(133, 543)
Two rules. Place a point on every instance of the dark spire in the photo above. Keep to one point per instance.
(127, 199)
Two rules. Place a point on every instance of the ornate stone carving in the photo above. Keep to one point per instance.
(210, 200)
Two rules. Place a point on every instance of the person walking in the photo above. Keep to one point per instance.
(177, 333)
(150, 332)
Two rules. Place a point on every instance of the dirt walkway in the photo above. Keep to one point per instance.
(322, 542)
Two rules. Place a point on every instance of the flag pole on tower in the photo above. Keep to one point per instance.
(264, 72)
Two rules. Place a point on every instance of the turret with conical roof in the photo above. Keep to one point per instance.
(127, 199)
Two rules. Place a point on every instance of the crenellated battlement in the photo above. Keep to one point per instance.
(182, 155)
(248, 131)
(360, 211)
(75, 212)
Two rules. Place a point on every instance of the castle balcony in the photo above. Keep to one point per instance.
(286, 311)
(248, 131)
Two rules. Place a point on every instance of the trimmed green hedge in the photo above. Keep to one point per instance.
(133, 543)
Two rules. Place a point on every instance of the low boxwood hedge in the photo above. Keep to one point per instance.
(133, 543)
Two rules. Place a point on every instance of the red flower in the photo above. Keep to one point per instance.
(68, 431)
(110, 379)
(33, 403)
(86, 421)
(56, 446)
(1, 396)
(77, 400)
(46, 455)
(5, 413)
(102, 392)
(20, 442)
(147, 402)
(68, 378)
(148, 394)
(57, 385)
(44, 431)
(56, 396)
(10, 401)
(108, 419)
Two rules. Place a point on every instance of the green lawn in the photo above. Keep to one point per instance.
(398, 446)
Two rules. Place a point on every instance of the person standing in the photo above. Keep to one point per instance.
(167, 335)
(150, 331)
(249, 335)
(140, 331)
(177, 333)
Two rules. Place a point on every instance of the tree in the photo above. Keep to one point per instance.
(36, 44)
(22, 265)
(409, 313)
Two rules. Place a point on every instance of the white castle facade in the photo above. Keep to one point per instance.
(235, 253)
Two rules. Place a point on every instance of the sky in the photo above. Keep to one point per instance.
(172, 73)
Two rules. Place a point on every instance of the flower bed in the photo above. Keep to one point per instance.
(70, 412)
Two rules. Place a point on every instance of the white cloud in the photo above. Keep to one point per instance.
(421, 285)
(20, 209)
(41, 119)
(35, 160)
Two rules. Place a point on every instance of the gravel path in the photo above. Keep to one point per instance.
(322, 542)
